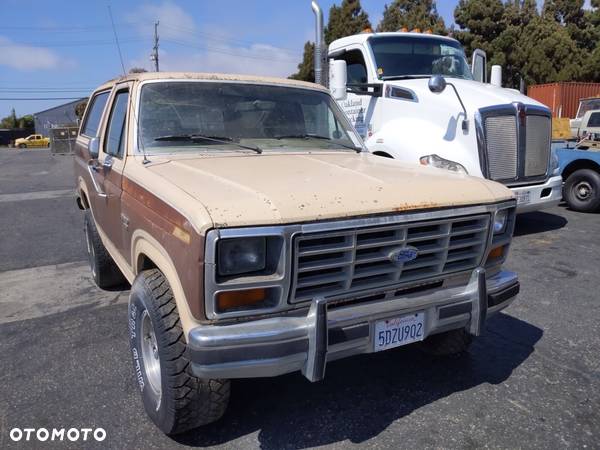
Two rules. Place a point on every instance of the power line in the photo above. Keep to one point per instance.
(70, 43)
(116, 39)
(41, 98)
(218, 50)
(212, 37)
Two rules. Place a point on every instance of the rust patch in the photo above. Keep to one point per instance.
(407, 207)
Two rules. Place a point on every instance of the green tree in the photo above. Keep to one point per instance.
(306, 69)
(481, 21)
(549, 53)
(578, 22)
(412, 14)
(344, 20)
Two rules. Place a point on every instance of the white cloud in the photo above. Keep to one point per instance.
(175, 23)
(27, 57)
(257, 59)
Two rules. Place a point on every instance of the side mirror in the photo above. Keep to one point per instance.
(337, 79)
(94, 147)
(437, 84)
(479, 65)
(496, 77)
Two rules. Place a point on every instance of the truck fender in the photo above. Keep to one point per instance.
(142, 243)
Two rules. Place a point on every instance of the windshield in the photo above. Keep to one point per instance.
(405, 56)
(181, 116)
(587, 105)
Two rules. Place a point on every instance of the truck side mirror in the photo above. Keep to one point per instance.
(338, 72)
(496, 76)
(94, 147)
(437, 84)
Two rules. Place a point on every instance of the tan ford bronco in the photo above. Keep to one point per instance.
(261, 238)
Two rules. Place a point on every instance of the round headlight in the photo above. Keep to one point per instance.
(500, 221)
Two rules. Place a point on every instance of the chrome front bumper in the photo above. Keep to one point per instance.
(274, 346)
(540, 196)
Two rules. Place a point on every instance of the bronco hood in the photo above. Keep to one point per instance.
(276, 188)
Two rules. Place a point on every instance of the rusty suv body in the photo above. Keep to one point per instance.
(326, 225)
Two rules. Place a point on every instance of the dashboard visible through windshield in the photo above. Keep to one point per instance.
(181, 116)
(414, 56)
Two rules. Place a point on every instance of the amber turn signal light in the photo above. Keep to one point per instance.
(496, 253)
(235, 299)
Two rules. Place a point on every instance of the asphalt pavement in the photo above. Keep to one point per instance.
(532, 381)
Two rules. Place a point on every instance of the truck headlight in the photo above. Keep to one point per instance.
(241, 255)
(500, 221)
(441, 163)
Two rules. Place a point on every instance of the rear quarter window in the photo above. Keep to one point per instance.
(91, 121)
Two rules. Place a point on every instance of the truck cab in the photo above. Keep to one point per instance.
(413, 97)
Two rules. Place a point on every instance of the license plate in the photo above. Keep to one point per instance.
(523, 197)
(397, 331)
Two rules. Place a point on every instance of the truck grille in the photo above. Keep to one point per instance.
(515, 154)
(334, 264)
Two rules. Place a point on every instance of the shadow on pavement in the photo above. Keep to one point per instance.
(360, 397)
(538, 222)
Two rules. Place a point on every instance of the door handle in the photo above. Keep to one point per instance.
(92, 169)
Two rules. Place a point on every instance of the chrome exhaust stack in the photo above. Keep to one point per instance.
(321, 72)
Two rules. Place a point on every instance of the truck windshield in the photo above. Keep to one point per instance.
(190, 115)
(416, 56)
(586, 105)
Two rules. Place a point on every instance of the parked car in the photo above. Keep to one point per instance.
(260, 238)
(32, 141)
(413, 97)
(580, 170)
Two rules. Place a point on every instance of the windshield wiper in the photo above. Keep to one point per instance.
(316, 136)
(202, 137)
(404, 77)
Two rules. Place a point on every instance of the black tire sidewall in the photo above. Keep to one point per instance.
(138, 303)
(589, 176)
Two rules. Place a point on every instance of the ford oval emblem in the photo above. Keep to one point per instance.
(403, 255)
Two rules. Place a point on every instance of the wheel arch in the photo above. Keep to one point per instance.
(148, 253)
(579, 164)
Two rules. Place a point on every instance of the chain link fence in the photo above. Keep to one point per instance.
(62, 139)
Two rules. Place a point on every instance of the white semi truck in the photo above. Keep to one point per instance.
(413, 96)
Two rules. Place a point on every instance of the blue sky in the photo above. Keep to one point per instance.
(64, 48)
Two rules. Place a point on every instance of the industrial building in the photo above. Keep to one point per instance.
(59, 116)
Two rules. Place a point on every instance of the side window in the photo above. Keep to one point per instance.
(594, 120)
(114, 143)
(92, 118)
(357, 69)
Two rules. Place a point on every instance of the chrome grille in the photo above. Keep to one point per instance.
(343, 262)
(537, 145)
(502, 147)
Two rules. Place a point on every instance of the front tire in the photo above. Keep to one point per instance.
(582, 190)
(173, 397)
(22, 145)
(105, 272)
(450, 343)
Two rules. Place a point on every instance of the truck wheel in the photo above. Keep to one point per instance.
(173, 397)
(582, 190)
(22, 146)
(105, 272)
(450, 343)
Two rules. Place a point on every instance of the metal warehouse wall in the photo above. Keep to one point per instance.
(60, 115)
(563, 98)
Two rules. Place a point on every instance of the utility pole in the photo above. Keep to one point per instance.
(154, 55)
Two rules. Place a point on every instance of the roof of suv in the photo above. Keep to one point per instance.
(211, 77)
